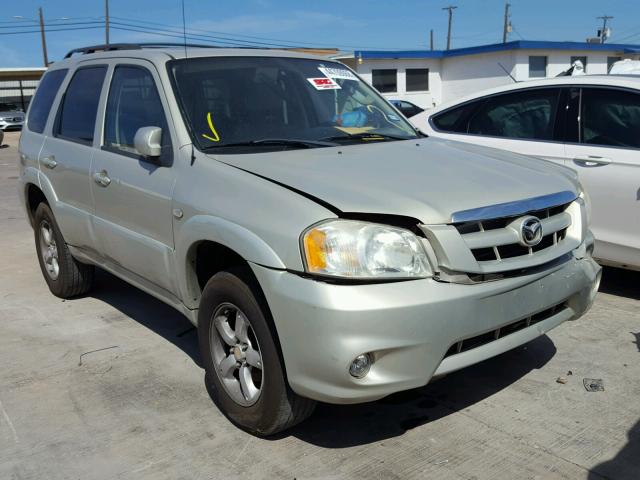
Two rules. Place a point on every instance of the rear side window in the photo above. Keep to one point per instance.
(610, 118)
(133, 103)
(41, 103)
(77, 114)
(527, 115)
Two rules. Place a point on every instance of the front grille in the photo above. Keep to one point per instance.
(485, 338)
(492, 240)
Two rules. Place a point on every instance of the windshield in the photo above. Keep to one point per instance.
(271, 102)
(8, 107)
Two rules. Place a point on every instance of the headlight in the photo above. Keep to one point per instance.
(362, 250)
(587, 205)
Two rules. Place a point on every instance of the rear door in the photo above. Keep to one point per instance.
(65, 159)
(522, 121)
(133, 194)
(607, 159)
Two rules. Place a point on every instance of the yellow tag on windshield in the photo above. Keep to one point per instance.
(354, 130)
(216, 137)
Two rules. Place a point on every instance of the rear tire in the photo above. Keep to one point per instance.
(65, 276)
(253, 393)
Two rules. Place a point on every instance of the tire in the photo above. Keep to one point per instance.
(65, 276)
(228, 296)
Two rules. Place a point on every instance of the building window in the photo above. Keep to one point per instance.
(385, 80)
(537, 66)
(417, 79)
(583, 60)
(611, 61)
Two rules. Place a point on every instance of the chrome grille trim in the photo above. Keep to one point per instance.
(513, 209)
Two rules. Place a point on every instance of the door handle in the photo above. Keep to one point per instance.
(591, 161)
(102, 178)
(49, 161)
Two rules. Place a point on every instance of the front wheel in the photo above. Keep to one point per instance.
(244, 374)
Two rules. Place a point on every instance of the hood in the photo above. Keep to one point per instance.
(426, 179)
(11, 113)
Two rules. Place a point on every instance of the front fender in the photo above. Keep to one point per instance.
(215, 229)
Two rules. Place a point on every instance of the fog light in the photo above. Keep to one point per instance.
(360, 365)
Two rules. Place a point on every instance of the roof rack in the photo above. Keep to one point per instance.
(131, 46)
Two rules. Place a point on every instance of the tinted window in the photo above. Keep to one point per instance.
(417, 79)
(45, 95)
(537, 66)
(610, 117)
(455, 119)
(133, 103)
(385, 80)
(77, 114)
(528, 114)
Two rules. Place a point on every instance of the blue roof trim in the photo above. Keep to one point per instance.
(499, 47)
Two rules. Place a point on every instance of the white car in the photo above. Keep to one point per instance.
(588, 123)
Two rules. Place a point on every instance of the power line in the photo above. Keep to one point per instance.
(49, 30)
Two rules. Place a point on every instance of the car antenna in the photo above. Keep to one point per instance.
(186, 56)
(507, 72)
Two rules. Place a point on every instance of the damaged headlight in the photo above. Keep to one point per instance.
(363, 250)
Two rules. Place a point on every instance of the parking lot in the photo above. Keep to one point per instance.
(110, 386)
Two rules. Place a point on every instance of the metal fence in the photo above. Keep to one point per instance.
(18, 92)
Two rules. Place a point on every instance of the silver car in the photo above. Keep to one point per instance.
(11, 117)
(325, 249)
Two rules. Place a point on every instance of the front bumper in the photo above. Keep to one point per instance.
(10, 125)
(408, 327)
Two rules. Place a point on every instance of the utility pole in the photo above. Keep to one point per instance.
(431, 39)
(106, 22)
(451, 8)
(507, 23)
(603, 33)
(44, 40)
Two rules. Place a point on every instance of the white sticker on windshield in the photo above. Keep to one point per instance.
(324, 83)
(333, 72)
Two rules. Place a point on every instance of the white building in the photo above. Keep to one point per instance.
(430, 77)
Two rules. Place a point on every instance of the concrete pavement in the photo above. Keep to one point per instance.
(137, 408)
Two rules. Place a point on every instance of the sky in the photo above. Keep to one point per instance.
(345, 24)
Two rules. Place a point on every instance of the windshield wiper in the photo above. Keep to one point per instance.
(365, 136)
(275, 142)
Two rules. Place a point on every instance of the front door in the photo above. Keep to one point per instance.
(607, 159)
(133, 194)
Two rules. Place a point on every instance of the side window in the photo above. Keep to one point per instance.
(527, 115)
(77, 114)
(385, 80)
(454, 120)
(45, 95)
(133, 103)
(537, 66)
(417, 79)
(610, 117)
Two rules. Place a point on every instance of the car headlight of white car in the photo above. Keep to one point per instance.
(363, 250)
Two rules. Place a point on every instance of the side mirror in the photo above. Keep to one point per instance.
(148, 141)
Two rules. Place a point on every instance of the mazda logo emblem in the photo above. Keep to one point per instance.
(531, 231)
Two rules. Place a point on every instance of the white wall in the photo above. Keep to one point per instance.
(423, 99)
(467, 74)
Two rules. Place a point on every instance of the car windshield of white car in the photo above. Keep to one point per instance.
(239, 104)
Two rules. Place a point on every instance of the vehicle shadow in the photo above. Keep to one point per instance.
(626, 464)
(342, 426)
(148, 311)
(620, 282)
